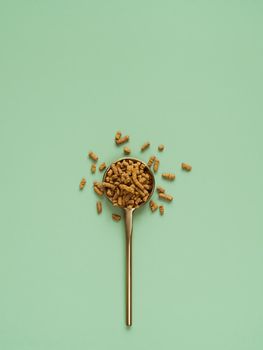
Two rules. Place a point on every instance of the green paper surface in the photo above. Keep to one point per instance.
(187, 74)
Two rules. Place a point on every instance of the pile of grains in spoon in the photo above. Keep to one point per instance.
(128, 183)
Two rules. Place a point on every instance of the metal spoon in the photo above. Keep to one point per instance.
(128, 214)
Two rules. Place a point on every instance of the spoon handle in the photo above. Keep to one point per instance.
(128, 230)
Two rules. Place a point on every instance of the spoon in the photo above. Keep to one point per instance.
(128, 214)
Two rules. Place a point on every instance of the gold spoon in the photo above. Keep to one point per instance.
(128, 214)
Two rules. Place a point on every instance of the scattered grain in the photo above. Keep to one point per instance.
(153, 206)
(99, 207)
(102, 166)
(117, 135)
(156, 165)
(151, 160)
(116, 217)
(122, 140)
(186, 167)
(160, 189)
(126, 150)
(82, 183)
(165, 197)
(168, 176)
(145, 146)
(93, 156)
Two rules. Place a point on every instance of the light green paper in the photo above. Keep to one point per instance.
(187, 74)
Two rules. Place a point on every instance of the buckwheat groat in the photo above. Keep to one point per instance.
(160, 189)
(102, 166)
(128, 183)
(153, 206)
(116, 217)
(82, 183)
(99, 207)
(93, 156)
(108, 185)
(166, 197)
(126, 150)
(168, 176)
(122, 140)
(186, 167)
(93, 168)
(98, 191)
(156, 165)
(98, 188)
(161, 209)
(145, 146)
(117, 135)
(150, 161)
(129, 189)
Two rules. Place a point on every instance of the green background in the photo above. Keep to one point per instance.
(184, 73)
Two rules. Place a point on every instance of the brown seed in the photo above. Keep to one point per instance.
(156, 165)
(153, 206)
(166, 197)
(161, 209)
(116, 217)
(99, 207)
(160, 189)
(150, 161)
(126, 150)
(82, 183)
(145, 198)
(186, 167)
(168, 176)
(97, 190)
(93, 156)
(119, 201)
(145, 146)
(126, 188)
(136, 181)
(138, 201)
(97, 186)
(117, 135)
(93, 168)
(102, 166)
(109, 193)
(160, 148)
(122, 140)
(108, 185)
